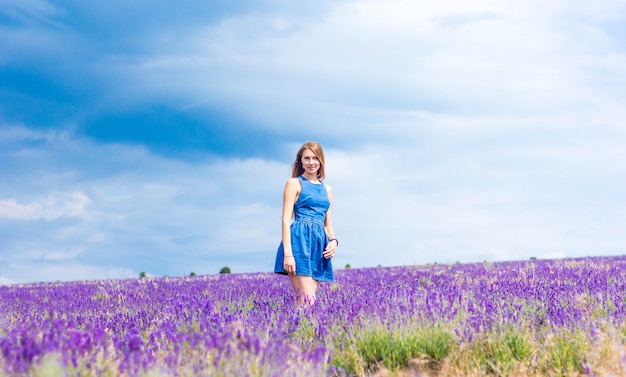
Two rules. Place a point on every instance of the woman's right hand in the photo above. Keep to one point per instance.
(289, 264)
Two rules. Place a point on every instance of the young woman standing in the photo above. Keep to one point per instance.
(308, 239)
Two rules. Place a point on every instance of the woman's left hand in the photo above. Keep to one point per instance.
(330, 249)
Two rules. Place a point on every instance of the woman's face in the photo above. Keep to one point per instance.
(310, 163)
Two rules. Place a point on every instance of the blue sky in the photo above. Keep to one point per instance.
(158, 136)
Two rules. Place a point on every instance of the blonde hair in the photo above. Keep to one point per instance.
(298, 169)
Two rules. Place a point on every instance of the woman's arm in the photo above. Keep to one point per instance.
(292, 190)
(329, 252)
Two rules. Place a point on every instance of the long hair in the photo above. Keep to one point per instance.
(298, 169)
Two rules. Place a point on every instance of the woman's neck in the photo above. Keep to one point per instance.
(310, 177)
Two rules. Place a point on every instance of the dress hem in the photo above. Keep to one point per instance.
(321, 280)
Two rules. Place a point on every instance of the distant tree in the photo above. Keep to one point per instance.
(142, 275)
(192, 273)
(348, 265)
(225, 270)
(533, 258)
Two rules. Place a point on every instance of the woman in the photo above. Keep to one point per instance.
(308, 239)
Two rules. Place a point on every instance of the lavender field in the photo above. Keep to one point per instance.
(532, 318)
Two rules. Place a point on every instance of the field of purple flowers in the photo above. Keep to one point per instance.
(532, 318)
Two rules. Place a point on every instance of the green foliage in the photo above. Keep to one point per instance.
(381, 347)
(192, 273)
(305, 331)
(566, 354)
(434, 342)
(348, 265)
(499, 352)
(142, 275)
(49, 366)
(347, 358)
(517, 345)
(240, 307)
(375, 347)
(225, 270)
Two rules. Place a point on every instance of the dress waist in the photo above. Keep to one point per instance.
(309, 220)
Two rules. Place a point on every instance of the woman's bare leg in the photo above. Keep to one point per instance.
(305, 288)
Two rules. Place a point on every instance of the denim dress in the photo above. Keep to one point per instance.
(308, 236)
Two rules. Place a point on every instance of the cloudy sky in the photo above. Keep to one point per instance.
(157, 136)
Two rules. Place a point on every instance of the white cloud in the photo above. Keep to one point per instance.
(43, 254)
(372, 69)
(5, 281)
(54, 206)
(153, 214)
(499, 197)
(10, 209)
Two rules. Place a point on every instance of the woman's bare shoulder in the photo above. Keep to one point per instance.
(293, 182)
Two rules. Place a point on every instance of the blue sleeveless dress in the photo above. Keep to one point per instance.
(308, 236)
